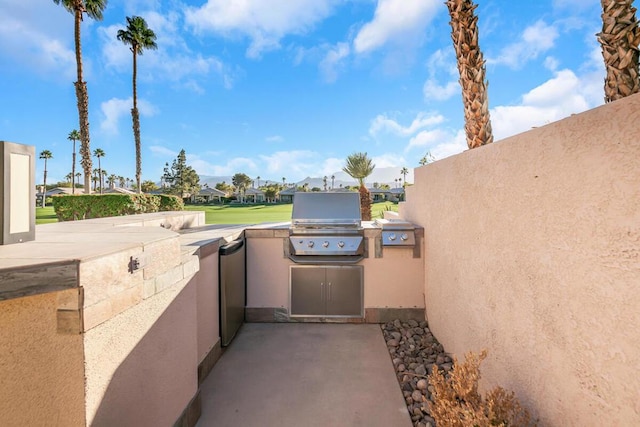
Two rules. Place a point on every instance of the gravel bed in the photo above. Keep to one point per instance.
(414, 350)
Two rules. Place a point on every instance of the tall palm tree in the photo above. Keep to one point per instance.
(74, 136)
(45, 155)
(619, 39)
(93, 9)
(258, 179)
(464, 33)
(360, 166)
(404, 173)
(78, 175)
(99, 153)
(121, 181)
(333, 179)
(139, 37)
(112, 180)
(324, 182)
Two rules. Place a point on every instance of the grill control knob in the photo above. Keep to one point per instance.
(341, 244)
(392, 236)
(325, 244)
(310, 244)
(404, 237)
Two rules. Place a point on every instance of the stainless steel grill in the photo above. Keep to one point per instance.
(396, 232)
(326, 229)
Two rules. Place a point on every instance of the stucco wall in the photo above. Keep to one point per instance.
(533, 252)
(207, 304)
(38, 364)
(396, 280)
(141, 365)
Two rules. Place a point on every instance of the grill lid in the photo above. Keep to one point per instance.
(326, 209)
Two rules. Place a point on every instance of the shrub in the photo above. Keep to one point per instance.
(86, 206)
(457, 402)
(170, 203)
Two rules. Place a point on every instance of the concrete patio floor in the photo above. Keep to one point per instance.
(304, 374)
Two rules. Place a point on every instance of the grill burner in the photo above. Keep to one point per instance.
(396, 232)
(326, 229)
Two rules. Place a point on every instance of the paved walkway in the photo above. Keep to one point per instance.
(304, 374)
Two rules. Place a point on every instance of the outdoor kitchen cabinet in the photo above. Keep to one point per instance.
(326, 291)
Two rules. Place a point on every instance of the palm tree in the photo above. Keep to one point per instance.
(112, 180)
(99, 153)
(45, 155)
(69, 177)
(427, 158)
(74, 136)
(333, 179)
(258, 179)
(121, 181)
(464, 32)
(404, 173)
(93, 9)
(139, 37)
(324, 182)
(95, 179)
(78, 175)
(619, 39)
(360, 166)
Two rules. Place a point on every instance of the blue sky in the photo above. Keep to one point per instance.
(286, 88)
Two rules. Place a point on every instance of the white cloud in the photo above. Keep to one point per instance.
(563, 95)
(39, 38)
(382, 123)
(428, 138)
(395, 20)
(331, 63)
(441, 65)
(115, 108)
(535, 40)
(172, 61)
(163, 151)
(292, 164)
(332, 165)
(265, 23)
(274, 138)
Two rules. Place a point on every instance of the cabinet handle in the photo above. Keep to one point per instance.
(321, 289)
(329, 292)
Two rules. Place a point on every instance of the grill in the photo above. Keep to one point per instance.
(396, 232)
(326, 229)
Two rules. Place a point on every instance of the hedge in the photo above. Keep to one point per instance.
(86, 206)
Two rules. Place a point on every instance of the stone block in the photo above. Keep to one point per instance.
(161, 256)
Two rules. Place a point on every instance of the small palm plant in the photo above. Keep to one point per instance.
(360, 166)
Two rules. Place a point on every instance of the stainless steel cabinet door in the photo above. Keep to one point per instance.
(327, 291)
(344, 291)
(307, 291)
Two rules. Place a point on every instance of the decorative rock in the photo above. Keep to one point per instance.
(414, 351)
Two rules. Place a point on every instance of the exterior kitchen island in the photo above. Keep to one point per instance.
(392, 282)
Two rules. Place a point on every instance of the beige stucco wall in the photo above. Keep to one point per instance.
(141, 365)
(533, 252)
(396, 280)
(38, 364)
(207, 304)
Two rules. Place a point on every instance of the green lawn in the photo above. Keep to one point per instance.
(45, 215)
(252, 214)
(233, 214)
